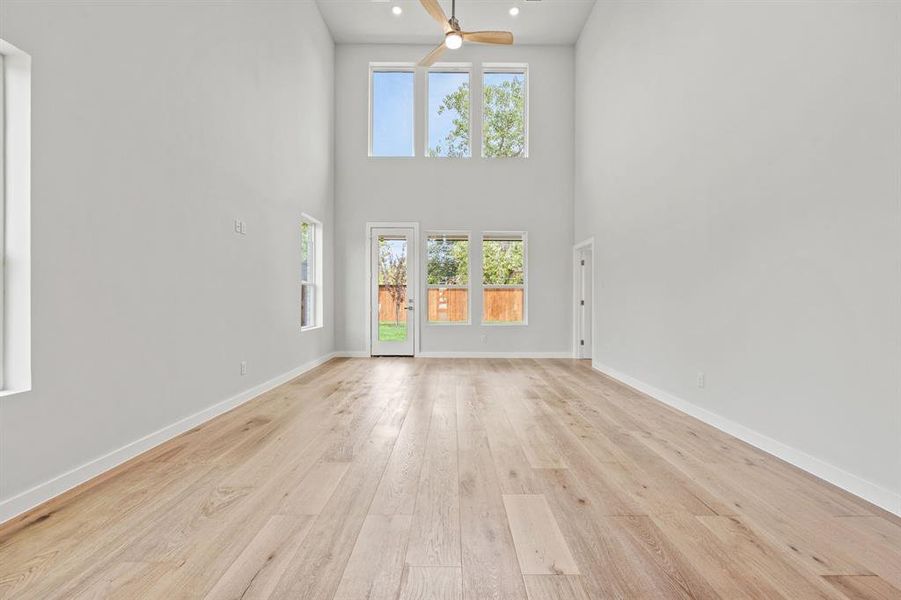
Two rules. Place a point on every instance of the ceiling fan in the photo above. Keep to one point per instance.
(454, 36)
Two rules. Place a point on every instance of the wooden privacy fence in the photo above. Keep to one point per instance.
(386, 307)
(500, 305)
(504, 305)
(448, 304)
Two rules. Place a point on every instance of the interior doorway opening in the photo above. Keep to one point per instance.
(583, 300)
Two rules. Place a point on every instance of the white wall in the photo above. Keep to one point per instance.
(738, 165)
(533, 194)
(155, 125)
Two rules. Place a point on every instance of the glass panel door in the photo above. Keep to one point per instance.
(393, 292)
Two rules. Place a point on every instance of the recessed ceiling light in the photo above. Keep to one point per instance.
(397, 10)
(514, 11)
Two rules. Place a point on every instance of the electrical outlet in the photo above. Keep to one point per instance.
(702, 380)
(240, 227)
(243, 367)
(484, 339)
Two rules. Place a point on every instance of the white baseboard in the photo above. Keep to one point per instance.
(25, 501)
(360, 354)
(871, 492)
(494, 355)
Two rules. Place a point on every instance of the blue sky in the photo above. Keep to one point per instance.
(392, 114)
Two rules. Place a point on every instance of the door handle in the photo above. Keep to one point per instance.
(410, 308)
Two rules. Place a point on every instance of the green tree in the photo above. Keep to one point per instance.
(448, 261)
(456, 142)
(502, 262)
(503, 123)
(503, 119)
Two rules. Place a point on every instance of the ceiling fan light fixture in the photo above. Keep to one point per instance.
(453, 40)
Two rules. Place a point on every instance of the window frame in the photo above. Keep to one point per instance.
(425, 278)
(501, 68)
(525, 278)
(393, 67)
(3, 152)
(316, 266)
(15, 222)
(447, 67)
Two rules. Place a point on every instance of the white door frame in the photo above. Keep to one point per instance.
(577, 289)
(414, 250)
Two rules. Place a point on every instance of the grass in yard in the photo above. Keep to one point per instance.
(389, 332)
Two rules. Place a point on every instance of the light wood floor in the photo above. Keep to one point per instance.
(476, 479)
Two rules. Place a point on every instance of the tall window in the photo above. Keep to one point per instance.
(391, 111)
(449, 113)
(447, 277)
(505, 115)
(2, 217)
(310, 273)
(504, 278)
(15, 223)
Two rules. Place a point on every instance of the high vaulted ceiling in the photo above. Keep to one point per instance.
(372, 21)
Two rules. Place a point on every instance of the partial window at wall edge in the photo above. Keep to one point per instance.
(311, 273)
(15, 232)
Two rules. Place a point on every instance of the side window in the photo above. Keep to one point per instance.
(447, 277)
(310, 273)
(15, 221)
(504, 279)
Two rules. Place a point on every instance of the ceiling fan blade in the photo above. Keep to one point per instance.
(488, 37)
(432, 56)
(434, 9)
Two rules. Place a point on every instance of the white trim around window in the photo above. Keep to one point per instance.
(513, 236)
(311, 277)
(453, 234)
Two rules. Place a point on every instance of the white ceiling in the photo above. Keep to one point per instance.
(372, 22)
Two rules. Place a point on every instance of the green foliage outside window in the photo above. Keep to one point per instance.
(448, 261)
(502, 262)
(503, 118)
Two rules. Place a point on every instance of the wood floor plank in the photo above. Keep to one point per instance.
(396, 494)
(555, 587)
(316, 569)
(278, 536)
(376, 565)
(311, 494)
(432, 583)
(864, 587)
(490, 567)
(761, 561)
(419, 478)
(539, 543)
(435, 530)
